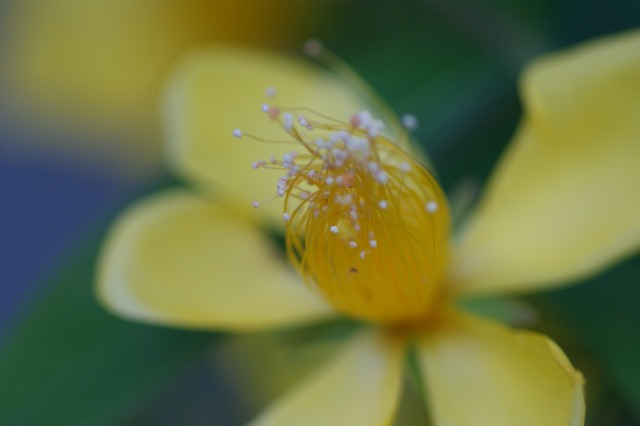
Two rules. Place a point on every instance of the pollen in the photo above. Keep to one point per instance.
(366, 224)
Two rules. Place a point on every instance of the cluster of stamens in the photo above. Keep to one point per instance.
(350, 194)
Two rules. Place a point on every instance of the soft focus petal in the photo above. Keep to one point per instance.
(99, 66)
(564, 203)
(215, 91)
(359, 387)
(176, 259)
(479, 372)
(113, 56)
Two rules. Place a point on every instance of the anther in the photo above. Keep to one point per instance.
(431, 206)
(237, 133)
(410, 122)
(302, 120)
(288, 158)
(313, 47)
(381, 176)
(273, 112)
(287, 121)
(270, 92)
(333, 229)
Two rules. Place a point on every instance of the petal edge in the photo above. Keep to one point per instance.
(360, 386)
(563, 203)
(176, 259)
(479, 372)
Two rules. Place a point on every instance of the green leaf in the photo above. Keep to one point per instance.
(70, 362)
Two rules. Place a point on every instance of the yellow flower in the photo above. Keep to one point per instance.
(562, 205)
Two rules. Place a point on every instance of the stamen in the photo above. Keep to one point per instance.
(381, 176)
(287, 121)
(270, 92)
(302, 120)
(343, 179)
(313, 47)
(237, 133)
(431, 206)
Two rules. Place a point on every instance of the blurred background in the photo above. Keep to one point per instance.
(80, 83)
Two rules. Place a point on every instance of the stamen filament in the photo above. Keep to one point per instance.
(366, 224)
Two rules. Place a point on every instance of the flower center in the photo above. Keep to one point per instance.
(367, 225)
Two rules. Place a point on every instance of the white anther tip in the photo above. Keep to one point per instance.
(255, 204)
(334, 229)
(237, 133)
(265, 107)
(312, 47)
(381, 176)
(270, 92)
(373, 243)
(410, 122)
(431, 206)
(286, 217)
(383, 204)
(287, 121)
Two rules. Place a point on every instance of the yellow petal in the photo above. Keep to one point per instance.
(564, 202)
(176, 259)
(360, 386)
(215, 91)
(479, 372)
(100, 67)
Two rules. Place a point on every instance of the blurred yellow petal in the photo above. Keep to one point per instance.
(217, 90)
(478, 372)
(360, 386)
(100, 66)
(178, 260)
(564, 202)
